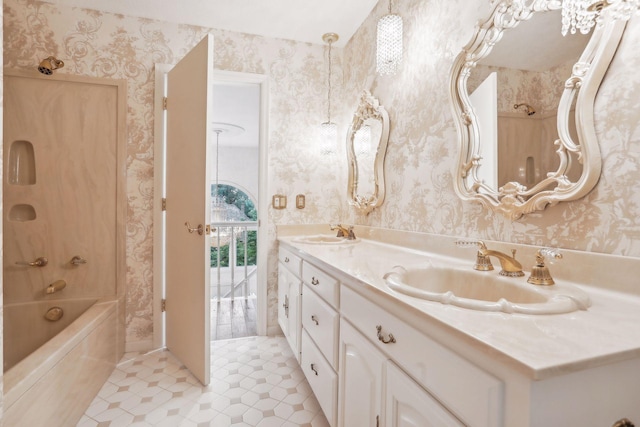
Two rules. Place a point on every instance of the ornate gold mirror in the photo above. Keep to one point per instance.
(522, 96)
(367, 141)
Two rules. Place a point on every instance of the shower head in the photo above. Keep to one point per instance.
(49, 65)
(527, 108)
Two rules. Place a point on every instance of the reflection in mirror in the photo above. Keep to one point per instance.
(523, 102)
(367, 148)
(521, 92)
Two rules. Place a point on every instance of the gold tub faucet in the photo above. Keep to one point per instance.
(56, 286)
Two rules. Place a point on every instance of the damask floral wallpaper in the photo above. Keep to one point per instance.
(106, 45)
(422, 148)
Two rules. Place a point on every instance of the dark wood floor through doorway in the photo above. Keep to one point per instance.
(233, 319)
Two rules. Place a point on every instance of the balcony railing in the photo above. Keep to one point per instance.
(233, 259)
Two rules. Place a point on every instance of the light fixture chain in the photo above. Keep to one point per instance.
(329, 84)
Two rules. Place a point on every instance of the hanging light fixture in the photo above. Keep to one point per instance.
(389, 44)
(220, 209)
(328, 130)
(582, 15)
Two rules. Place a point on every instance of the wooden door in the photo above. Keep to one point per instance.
(189, 139)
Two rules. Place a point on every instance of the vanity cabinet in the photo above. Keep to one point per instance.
(289, 298)
(320, 331)
(374, 391)
(361, 373)
(372, 362)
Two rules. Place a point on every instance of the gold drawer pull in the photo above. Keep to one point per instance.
(623, 423)
(391, 338)
(315, 319)
(313, 368)
(314, 281)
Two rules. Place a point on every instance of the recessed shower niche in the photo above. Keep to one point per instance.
(22, 163)
(21, 171)
(22, 213)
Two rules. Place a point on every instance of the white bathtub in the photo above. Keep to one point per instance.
(55, 384)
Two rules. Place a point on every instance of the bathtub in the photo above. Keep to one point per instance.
(55, 384)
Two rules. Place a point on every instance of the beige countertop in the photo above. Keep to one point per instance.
(540, 346)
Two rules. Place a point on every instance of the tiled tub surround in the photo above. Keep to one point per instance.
(581, 368)
(55, 384)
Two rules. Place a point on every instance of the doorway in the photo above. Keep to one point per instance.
(244, 180)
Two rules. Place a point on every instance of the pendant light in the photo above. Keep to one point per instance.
(328, 130)
(389, 44)
(221, 210)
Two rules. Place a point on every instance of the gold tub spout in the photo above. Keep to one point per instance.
(56, 286)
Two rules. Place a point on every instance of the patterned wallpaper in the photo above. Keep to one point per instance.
(542, 90)
(107, 45)
(422, 148)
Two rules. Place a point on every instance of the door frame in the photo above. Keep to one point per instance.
(219, 76)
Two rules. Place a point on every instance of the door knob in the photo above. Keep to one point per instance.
(199, 228)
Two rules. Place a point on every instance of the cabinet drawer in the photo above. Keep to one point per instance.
(325, 285)
(292, 262)
(322, 379)
(321, 323)
(475, 396)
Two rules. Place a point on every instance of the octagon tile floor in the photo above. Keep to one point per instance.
(255, 382)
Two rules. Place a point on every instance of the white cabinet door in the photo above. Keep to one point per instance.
(283, 299)
(409, 405)
(289, 288)
(360, 384)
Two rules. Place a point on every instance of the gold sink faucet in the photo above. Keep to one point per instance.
(540, 274)
(344, 231)
(510, 266)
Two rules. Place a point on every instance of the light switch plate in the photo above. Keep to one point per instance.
(279, 201)
(300, 201)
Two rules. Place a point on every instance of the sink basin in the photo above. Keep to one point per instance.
(323, 239)
(485, 290)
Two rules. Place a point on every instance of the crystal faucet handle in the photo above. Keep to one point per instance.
(553, 253)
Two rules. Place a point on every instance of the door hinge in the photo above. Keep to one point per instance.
(163, 305)
(164, 203)
(164, 102)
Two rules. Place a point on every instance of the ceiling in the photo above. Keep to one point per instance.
(537, 45)
(301, 20)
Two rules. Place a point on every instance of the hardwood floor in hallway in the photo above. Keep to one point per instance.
(233, 319)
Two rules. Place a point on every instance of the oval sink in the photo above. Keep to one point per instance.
(485, 291)
(323, 239)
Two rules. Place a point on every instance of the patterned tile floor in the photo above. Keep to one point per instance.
(255, 381)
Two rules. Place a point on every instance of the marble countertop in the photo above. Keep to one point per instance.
(540, 346)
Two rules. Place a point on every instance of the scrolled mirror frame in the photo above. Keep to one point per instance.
(513, 199)
(368, 108)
